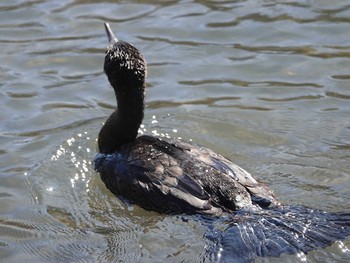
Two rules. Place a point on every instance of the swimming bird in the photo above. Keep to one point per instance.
(161, 174)
(174, 176)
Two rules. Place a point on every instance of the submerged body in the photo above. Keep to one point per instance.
(172, 176)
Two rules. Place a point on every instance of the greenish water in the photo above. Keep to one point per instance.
(265, 83)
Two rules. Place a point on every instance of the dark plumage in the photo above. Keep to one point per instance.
(164, 175)
(173, 176)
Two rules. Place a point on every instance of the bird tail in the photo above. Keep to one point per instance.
(271, 232)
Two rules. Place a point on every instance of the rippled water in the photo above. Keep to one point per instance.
(265, 83)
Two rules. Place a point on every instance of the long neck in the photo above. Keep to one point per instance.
(123, 124)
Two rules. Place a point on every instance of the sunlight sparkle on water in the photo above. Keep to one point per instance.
(343, 247)
(142, 129)
(154, 119)
(154, 123)
(72, 152)
(72, 182)
(220, 253)
(70, 141)
(155, 133)
(301, 256)
(61, 151)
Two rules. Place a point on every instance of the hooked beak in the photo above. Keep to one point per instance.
(111, 37)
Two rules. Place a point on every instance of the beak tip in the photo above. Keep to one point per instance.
(111, 37)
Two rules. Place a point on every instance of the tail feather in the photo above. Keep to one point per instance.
(272, 232)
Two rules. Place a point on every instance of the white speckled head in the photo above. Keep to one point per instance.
(124, 63)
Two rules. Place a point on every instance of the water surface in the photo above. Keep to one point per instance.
(266, 83)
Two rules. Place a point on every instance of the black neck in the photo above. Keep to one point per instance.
(123, 124)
